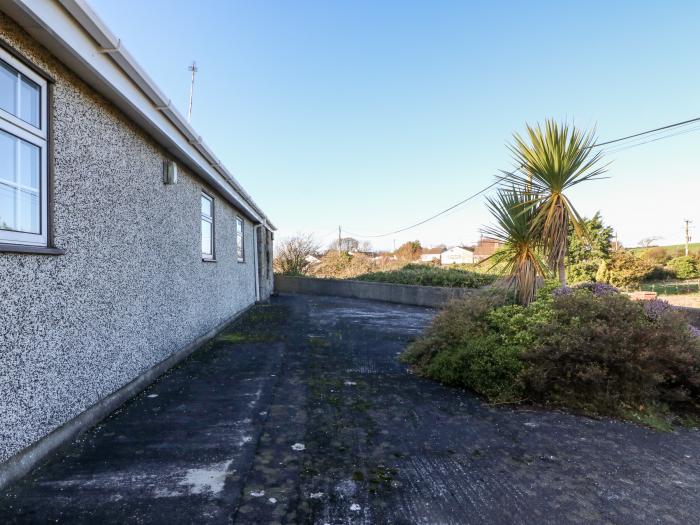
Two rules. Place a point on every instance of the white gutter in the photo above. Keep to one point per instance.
(102, 61)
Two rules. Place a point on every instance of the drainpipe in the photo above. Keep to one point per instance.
(256, 261)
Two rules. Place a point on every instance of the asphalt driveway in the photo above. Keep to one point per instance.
(300, 413)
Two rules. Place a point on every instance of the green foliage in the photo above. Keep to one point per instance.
(457, 322)
(598, 354)
(604, 355)
(552, 160)
(685, 267)
(428, 275)
(477, 343)
(519, 256)
(624, 270)
(484, 364)
(586, 253)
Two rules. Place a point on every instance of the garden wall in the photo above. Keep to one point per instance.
(431, 296)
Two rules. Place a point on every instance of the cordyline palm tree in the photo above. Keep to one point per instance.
(516, 229)
(554, 160)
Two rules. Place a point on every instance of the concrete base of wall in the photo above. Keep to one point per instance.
(431, 296)
(31, 457)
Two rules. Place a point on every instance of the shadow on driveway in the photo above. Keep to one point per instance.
(301, 413)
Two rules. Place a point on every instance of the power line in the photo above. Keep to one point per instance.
(669, 126)
(634, 145)
(599, 144)
(473, 196)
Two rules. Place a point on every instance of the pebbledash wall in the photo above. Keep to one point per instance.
(132, 287)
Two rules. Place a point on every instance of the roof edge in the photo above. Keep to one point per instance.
(106, 50)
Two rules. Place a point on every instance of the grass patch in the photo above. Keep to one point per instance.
(239, 337)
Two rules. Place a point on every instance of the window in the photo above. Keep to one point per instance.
(23, 154)
(207, 227)
(240, 246)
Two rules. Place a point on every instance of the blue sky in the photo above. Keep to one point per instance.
(374, 115)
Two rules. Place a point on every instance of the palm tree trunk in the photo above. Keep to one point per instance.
(562, 271)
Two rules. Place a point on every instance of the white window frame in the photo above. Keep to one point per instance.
(211, 219)
(240, 239)
(25, 131)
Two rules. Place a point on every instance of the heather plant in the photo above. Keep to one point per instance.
(656, 308)
(588, 348)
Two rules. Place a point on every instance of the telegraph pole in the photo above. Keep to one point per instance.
(687, 235)
(193, 68)
(339, 239)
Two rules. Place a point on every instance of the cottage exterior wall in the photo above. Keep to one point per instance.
(131, 289)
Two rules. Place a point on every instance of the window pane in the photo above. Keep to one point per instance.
(7, 157)
(29, 101)
(7, 207)
(28, 212)
(8, 91)
(206, 206)
(206, 238)
(29, 165)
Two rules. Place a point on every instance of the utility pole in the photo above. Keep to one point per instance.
(193, 68)
(687, 235)
(339, 239)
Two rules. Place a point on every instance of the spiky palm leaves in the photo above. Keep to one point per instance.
(554, 160)
(515, 227)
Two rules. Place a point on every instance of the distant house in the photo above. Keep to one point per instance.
(431, 254)
(457, 255)
(485, 248)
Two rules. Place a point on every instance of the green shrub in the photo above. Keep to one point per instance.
(476, 343)
(579, 348)
(685, 267)
(624, 270)
(581, 272)
(604, 355)
(484, 364)
(428, 275)
(459, 321)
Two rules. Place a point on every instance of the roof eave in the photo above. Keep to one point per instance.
(78, 37)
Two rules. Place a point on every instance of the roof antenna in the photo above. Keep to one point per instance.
(193, 68)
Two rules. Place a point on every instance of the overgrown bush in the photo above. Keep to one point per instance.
(343, 265)
(624, 270)
(685, 267)
(605, 355)
(429, 275)
(588, 348)
(456, 323)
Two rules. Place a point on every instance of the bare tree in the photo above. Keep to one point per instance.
(648, 241)
(347, 244)
(366, 247)
(295, 254)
